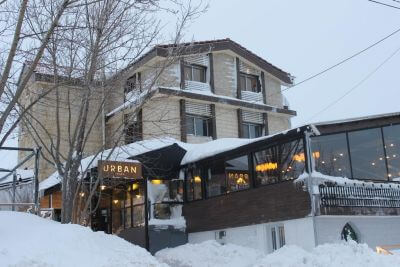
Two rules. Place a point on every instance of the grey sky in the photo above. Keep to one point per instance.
(304, 37)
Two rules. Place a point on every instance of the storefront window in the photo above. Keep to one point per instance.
(237, 173)
(331, 155)
(128, 210)
(118, 211)
(279, 163)
(367, 154)
(193, 185)
(391, 136)
(216, 180)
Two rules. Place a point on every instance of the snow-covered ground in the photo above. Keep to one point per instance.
(28, 240)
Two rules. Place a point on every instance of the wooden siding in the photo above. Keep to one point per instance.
(282, 201)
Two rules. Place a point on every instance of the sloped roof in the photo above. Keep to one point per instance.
(209, 46)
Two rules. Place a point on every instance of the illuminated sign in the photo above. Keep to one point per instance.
(267, 166)
(240, 177)
(119, 169)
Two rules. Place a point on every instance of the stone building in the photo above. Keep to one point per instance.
(194, 93)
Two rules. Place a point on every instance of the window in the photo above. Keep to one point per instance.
(216, 179)
(331, 155)
(193, 185)
(130, 84)
(277, 237)
(132, 130)
(251, 130)
(198, 126)
(195, 73)
(279, 163)
(367, 154)
(237, 173)
(249, 83)
(391, 135)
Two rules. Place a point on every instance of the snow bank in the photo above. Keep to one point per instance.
(209, 254)
(343, 254)
(28, 240)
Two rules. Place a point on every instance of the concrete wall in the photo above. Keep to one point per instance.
(372, 230)
(45, 123)
(278, 122)
(224, 74)
(297, 232)
(226, 121)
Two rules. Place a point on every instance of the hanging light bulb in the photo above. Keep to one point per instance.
(102, 187)
(82, 194)
(115, 201)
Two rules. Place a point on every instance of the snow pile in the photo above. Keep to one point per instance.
(28, 240)
(343, 254)
(209, 254)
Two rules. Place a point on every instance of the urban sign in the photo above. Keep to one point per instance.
(119, 169)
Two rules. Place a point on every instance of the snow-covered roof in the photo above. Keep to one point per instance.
(358, 118)
(121, 153)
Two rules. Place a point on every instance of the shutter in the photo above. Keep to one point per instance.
(198, 109)
(198, 60)
(248, 69)
(253, 117)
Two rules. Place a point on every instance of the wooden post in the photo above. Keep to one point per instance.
(211, 62)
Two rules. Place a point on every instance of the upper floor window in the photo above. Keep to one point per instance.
(132, 130)
(195, 73)
(251, 130)
(198, 125)
(130, 84)
(249, 82)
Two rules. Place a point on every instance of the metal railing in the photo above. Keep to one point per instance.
(359, 196)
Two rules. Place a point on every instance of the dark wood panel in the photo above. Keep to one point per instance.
(270, 203)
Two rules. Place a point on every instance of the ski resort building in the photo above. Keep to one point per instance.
(306, 186)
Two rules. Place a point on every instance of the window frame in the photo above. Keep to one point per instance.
(248, 125)
(194, 117)
(192, 67)
(249, 76)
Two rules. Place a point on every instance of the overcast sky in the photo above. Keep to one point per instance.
(305, 37)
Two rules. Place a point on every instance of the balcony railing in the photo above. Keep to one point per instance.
(359, 196)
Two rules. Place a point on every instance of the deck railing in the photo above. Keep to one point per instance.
(359, 196)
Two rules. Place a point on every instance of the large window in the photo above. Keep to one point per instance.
(195, 73)
(251, 130)
(367, 154)
(228, 176)
(279, 163)
(132, 129)
(391, 136)
(199, 126)
(237, 173)
(193, 185)
(249, 83)
(331, 155)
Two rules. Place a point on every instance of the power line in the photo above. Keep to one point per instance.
(355, 86)
(384, 4)
(341, 62)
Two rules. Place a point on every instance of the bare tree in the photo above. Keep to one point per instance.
(88, 59)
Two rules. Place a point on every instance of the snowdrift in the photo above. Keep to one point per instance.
(210, 253)
(28, 240)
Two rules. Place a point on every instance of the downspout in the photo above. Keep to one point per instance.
(310, 169)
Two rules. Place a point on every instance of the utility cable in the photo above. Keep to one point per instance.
(384, 4)
(355, 86)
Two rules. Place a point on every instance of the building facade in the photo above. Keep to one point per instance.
(195, 93)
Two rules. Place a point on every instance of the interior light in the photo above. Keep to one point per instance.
(341, 154)
(138, 196)
(340, 170)
(380, 158)
(197, 179)
(241, 181)
(387, 157)
(102, 187)
(135, 186)
(323, 162)
(389, 175)
(334, 159)
(266, 166)
(373, 163)
(82, 194)
(394, 156)
(391, 144)
(115, 201)
(156, 181)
